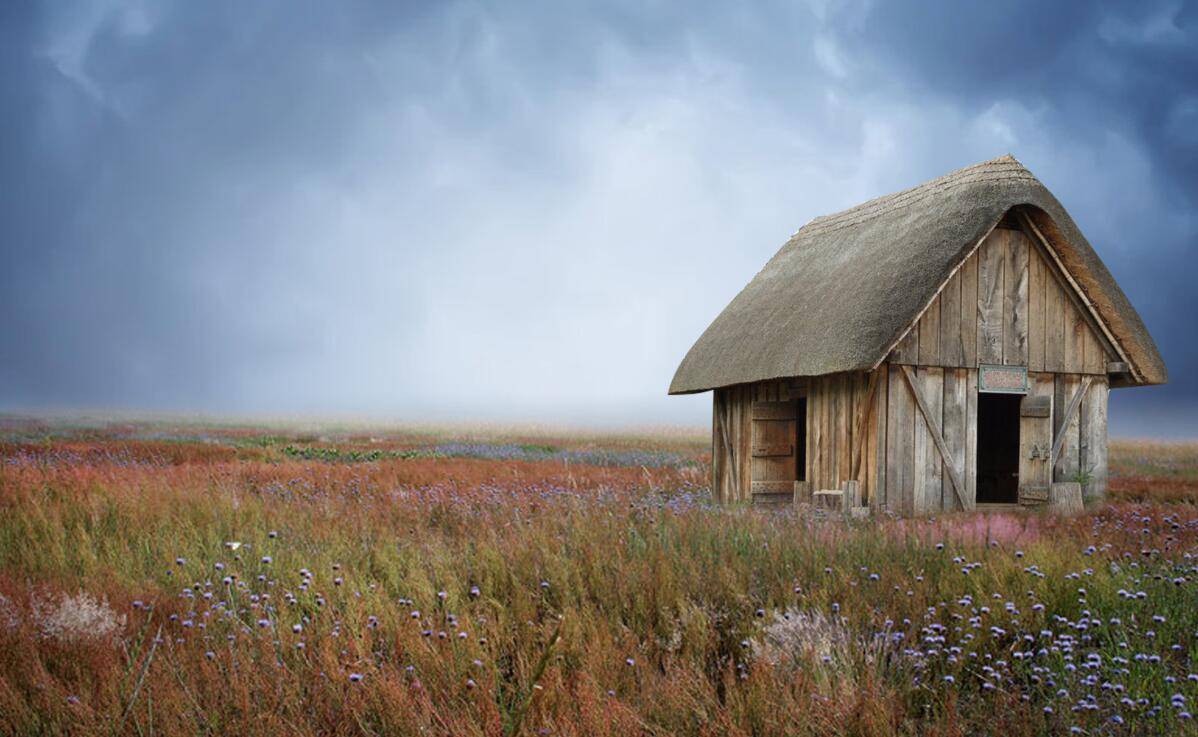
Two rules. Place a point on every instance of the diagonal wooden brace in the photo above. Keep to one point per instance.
(1070, 411)
(863, 414)
(933, 424)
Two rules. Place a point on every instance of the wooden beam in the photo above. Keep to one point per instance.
(1116, 367)
(773, 487)
(863, 415)
(1074, 402)
(773, 410)
(934, 429)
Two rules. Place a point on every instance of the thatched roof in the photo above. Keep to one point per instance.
(846, 287)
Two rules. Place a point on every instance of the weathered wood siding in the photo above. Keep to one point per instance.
(842, 430)
(1083, 452)
(882, 438)
(756, 420)
(1006, 305)
(916, 479)
(730, 438)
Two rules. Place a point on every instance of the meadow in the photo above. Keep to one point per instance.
(167, 578)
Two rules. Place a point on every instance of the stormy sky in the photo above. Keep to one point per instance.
(529, 211)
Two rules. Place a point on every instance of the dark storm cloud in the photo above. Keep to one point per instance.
(526, 210)
(1093, 71)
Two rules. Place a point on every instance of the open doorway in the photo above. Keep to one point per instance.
(998, 448)
(801, 441)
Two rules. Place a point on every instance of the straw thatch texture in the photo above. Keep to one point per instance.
(846, 286)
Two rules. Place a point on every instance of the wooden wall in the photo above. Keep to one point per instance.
(730, 431)
(1006, 305)
(1083, 453)
(915, 479)
(837, 433)
(880, 436)
(734, 433)
(912, 477)
(838, 437)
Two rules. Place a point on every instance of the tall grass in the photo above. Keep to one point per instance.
(214, 592)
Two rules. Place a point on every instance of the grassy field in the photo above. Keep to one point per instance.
(161, 578)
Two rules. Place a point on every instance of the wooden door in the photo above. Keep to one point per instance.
(1035, 448)
(775, 451)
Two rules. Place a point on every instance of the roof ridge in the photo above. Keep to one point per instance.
(1003, 167)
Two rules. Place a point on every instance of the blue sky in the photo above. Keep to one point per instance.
(529, 211)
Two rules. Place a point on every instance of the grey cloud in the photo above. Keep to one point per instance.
(522, 210)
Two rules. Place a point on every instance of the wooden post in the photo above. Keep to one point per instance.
(1066, 498)
(852, 496)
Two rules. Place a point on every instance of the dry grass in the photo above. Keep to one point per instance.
(1153, 470)
(200, 580)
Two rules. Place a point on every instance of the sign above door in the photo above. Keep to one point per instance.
(1002, 379)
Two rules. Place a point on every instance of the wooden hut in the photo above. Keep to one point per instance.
(949, 346)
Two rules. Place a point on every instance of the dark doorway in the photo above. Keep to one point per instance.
(801, 441)
(998, 448)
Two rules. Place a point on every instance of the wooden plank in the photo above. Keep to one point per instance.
(1032, 494)
(1066, 452)
(865, 408)
(773, 487)
(990, 298)
(971, 438)
(877, 442)
(822, 446)
(719, 448)
(955, 411)
(829, 420)
(923, 442)
(857, 465)
(1054, 326)
(907, 350)
(952, 350)
(929, 334)
(743, 436)
(969, 312)
(1035, 440)
(802, 492)
(1034, 405)
(1093, 435)
(1035, 310)
(852, 495)
(929, 471)
(744, 441)
(900, 444)
(932, 422)
(1094, 355)
(1075, 334)
(844, 419)
(732, 474)
(1015, 299)
(773, 450)
(809, 432)
(774, 410)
